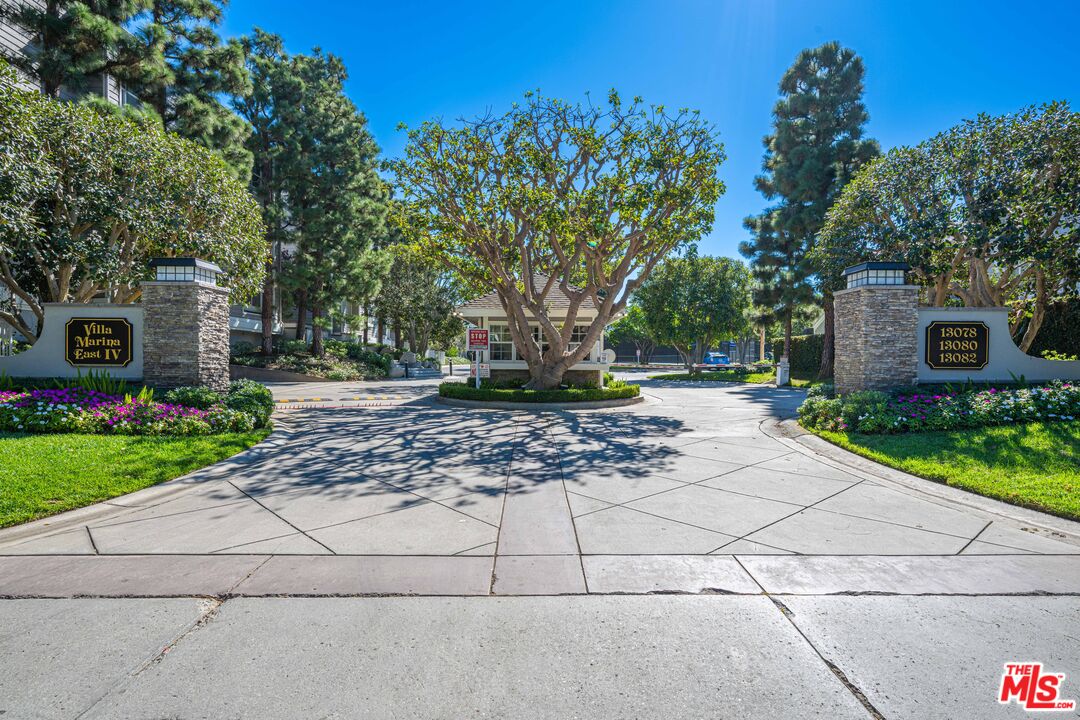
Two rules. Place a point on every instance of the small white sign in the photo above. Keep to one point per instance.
(485, 370)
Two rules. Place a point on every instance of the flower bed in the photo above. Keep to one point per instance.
(873, 412)
(80, 410)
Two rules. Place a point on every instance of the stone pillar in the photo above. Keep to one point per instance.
(186, 329)
(876, 337)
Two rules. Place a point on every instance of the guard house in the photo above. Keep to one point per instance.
(487, 312)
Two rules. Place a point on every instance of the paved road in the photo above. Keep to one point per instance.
(812, 588)
(737, 657)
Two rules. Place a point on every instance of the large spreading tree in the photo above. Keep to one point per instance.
(987, 214)
(87, 198)
(816, 146)
(582, 198)
(691, 302)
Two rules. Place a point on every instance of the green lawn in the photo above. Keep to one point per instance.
(798, 380)
(727, 375)
(806, 380)
(1035, 465)
(46, 474)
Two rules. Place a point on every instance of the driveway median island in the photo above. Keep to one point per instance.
(508, 394)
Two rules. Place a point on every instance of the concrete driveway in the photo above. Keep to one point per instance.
(554, 502)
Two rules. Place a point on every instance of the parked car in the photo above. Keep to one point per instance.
(714, 358)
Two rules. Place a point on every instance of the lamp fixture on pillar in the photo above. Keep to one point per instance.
(876, 273)
(185, 269)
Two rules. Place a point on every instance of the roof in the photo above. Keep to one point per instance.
(556, 299)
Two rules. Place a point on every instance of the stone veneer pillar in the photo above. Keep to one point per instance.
(185, 334)
(876, 337)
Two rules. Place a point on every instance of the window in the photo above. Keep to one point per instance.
(538, 337)
(500, 344)
(577, 335)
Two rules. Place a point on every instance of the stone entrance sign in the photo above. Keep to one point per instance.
(177, 335)
(885, 340)
(98, 342)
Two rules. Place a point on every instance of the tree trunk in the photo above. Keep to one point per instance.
(1038, 313)
(546, 377)
(413, 345)
(829, 341)
(380, 329)
(268, 309)
(366, 323)
(301, 314)
(318, 349)
(398, 344)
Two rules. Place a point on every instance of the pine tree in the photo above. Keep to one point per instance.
(273, 88)
(816, 146)
(336, 199)
(76, 40)
(198, 69)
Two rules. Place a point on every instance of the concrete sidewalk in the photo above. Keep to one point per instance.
(738, 657)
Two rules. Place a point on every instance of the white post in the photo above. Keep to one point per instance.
(783, 372)
(477, 369)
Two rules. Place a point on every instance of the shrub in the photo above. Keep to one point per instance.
(380, 364)
(931, 409)
(805, 352)
(250, 397)
(98, 381)
(465, 391)
(243, 347)
(290, 347)
(338, 348)
(202, 398)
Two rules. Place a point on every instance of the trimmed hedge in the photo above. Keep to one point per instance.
(805, 352)
(465, 391)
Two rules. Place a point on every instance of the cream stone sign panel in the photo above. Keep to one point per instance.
(83, 338)
(177, 335)
(958, 344)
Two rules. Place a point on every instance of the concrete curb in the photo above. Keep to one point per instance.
(537, 407)
(794, 436)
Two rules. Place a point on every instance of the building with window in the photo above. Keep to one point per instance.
(506, 360)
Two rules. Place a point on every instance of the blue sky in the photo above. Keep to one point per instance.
(928, 64)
